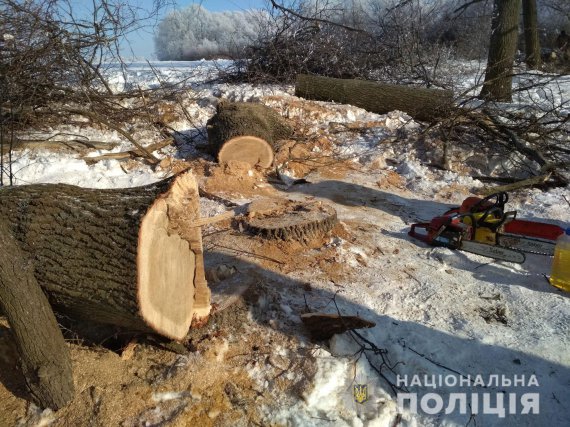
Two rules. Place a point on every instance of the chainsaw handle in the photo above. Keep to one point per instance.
(482, 221)
(423, 237)
(480, 204)
(500, 201)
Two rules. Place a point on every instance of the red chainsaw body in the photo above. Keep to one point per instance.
(484, 220)
(446, 230)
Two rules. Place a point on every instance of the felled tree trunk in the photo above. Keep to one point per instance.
(420, 103)
(246, 132)
(44, 356)
(129, 257)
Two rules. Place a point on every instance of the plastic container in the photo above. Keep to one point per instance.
(560, 274)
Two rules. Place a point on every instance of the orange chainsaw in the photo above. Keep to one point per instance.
(481, 226)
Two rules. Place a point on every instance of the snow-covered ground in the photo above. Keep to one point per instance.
(443, 316)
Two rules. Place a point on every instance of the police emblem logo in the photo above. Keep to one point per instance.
(360, 392)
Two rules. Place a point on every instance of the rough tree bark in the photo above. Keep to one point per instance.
(128, 257)
(531, 42)
(504, 32)
(289, 220)
(420, 103)
(44, 355)
(246, 132)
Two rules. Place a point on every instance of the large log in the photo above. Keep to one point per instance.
(44, 355)
(129, 257)
(246, 132)
(420, 103)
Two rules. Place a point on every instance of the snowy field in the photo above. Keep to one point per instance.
(475, 335)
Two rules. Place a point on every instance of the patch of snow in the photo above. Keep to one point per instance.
(169, 395)
(49, 167)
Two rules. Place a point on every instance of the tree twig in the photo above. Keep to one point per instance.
(291, 12)
(111, 125)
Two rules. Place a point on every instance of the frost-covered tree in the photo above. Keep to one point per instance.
(194, 33)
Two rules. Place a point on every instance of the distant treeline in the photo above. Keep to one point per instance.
(195, 33)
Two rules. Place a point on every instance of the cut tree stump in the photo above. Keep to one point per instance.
(129, 257)
(44, 355)
(288, 220)
(323, 326)
(246, 132)
(419, 103)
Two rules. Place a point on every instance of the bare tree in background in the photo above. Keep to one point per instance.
(562, 7)
(395, 41)
(502, 50)
(53, 59)
(531, 42)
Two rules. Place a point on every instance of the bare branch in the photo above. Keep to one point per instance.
(291, 12)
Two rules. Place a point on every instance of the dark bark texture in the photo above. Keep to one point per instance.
(502, 50)
(234, 119)
(531, 42)
(44, 355)
(420, 103)
(83, 245)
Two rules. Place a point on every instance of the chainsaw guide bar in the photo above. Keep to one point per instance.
(496, 252)
(525, 244)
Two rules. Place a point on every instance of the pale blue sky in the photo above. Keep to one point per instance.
(142, 42)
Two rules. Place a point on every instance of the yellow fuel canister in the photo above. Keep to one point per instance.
(560, 273)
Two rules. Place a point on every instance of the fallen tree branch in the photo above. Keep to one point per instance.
(75, 144)
(529, 182)
(502, 179)
(127, 154)
(102, 120)
(516, 143)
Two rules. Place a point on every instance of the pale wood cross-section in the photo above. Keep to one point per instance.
(247, 132)
(129, 257)
(249, 149)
